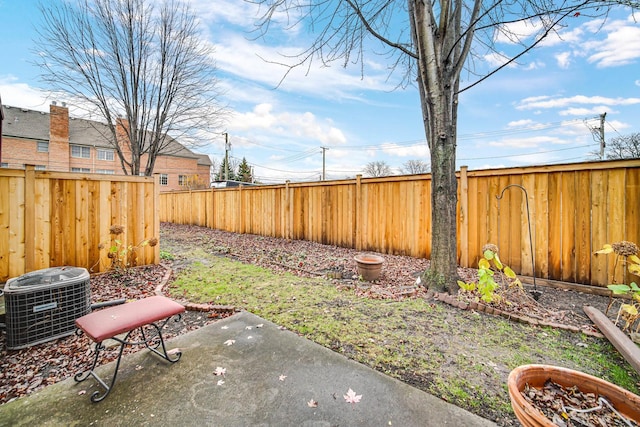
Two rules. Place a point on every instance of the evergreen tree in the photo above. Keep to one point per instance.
(244, 172)
(224, 167)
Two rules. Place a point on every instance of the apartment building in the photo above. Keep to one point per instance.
(56, 142)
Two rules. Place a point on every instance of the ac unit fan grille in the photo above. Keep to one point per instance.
(45, 313)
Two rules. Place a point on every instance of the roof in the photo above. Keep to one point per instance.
(204, 160)
(24, 123)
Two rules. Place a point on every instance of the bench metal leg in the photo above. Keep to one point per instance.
(97, 396)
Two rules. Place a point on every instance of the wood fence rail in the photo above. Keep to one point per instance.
(574, 209)
(50, 219)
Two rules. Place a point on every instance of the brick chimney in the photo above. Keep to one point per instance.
(59, 151)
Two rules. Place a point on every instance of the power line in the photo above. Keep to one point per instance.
(526, 154)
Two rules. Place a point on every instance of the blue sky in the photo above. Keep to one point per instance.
(539, 111)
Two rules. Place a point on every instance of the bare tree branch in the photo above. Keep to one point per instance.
(138, 66)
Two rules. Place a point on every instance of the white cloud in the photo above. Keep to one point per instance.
(521, 123)
(294, 126)
(265, 65)
(620, 47)
(563, 59)
(419, 150)
(525, 142)
(18, 94)
(580, 112)
(516, 32)
(562, 102)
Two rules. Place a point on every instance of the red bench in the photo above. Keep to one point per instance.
(110, 322)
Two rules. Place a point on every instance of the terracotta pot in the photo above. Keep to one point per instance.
(624, 401)
(369, 266)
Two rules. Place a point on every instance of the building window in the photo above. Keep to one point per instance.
(4, 165)
(43, 147)
(40, 168)
(182, 180)
(106, 171)
(80, 151)
(81, 170)
(164, 179)
(105, 154)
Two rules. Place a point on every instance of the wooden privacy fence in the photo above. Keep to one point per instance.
(50, 219)
(574, 209)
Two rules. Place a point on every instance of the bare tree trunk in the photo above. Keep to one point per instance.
(438, 84)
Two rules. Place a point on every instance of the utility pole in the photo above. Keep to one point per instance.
(602, 142)
(227, 147)
(324, 149)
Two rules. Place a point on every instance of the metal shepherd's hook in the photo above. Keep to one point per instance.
(536, 293)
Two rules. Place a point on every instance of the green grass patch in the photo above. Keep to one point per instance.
(460, 356)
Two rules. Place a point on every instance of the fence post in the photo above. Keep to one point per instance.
(156, 217)
(287, 211)
(29, 218)
(212, 224)
(357, 230)
(464, 217)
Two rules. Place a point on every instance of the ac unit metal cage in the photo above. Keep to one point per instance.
(43, 305)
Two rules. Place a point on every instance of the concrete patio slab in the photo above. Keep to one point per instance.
(270, 377)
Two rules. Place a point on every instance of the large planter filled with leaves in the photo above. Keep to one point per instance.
(542, 394)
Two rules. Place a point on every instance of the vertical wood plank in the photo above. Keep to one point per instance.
(81, 223)
(29, 218)
(582, 232)
(568, 230)
(632, 210)
(540, 218)
(599, 263)
(5, 227)
(464, 217)
(17, 263)
(555, 226)
(616, 190)
(527, 241)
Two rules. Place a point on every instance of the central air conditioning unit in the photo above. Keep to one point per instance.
(43, 305)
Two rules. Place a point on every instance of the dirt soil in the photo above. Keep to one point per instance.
(25, 371)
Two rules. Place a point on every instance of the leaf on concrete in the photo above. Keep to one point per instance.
(351, 397)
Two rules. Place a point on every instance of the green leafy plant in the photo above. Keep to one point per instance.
(488, 266)
(626, 255)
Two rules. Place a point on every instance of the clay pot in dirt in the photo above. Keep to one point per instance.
(369, 266)
(625, 402)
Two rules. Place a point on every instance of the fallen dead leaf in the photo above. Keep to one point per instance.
(312, 404)
(351, 397)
